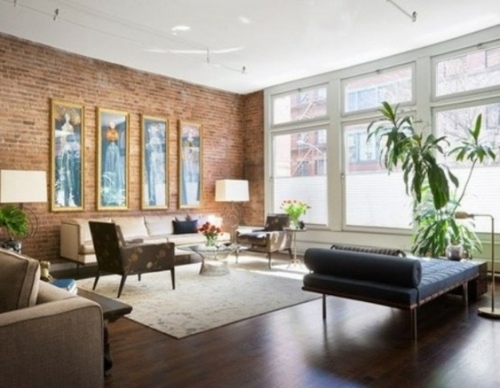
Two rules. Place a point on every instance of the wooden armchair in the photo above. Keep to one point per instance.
(273, 238)
(116, 257)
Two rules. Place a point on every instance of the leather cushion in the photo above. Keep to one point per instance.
(364, 266)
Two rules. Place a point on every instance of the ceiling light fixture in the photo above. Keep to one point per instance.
(412, 16)
(179, 28)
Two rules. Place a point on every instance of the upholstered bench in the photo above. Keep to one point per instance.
(404, 283)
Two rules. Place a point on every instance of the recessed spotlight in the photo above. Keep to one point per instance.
(180, 28)
(244, 20)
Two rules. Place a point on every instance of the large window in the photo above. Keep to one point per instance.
(368, 92)
(299, 171)
(372, 197)
(473, 70)
(482, 191)
(350, 192)
(300, 105)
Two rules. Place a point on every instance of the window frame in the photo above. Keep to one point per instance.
(468, 94)
(344, 81)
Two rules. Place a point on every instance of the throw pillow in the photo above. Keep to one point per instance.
(184, 227)
(19, 281)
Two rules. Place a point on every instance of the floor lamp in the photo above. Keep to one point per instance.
(232, 190)
(488, 312)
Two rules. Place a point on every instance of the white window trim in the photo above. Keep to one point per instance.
(424, 105)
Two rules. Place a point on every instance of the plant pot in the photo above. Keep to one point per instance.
(455, 252)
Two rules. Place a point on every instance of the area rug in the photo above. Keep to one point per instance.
(200, 303)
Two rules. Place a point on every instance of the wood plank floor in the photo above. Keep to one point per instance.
(359, 345)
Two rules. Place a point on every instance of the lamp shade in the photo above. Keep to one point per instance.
(231, 190)
(21, 186)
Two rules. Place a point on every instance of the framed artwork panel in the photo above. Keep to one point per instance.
(154, 177)
(190, 164)
(112, 159)
(67, 156)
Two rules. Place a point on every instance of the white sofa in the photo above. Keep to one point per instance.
(76, 241)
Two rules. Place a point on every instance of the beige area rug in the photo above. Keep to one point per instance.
(200, 303)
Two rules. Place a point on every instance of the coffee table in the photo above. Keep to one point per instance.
(213, 258)
(111, 311)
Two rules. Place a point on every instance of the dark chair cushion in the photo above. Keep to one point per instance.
(364, 266)
(253, 238)
(184, 227)
(276, 222)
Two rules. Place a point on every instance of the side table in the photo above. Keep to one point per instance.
(295, 260)
(111, 310)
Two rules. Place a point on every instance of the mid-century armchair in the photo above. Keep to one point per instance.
(115, 256)
(272, 238)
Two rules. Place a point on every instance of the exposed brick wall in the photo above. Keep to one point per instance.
(32, 74)
(253, 123)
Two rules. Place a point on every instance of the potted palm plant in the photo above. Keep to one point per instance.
(13, 223)
(435, 190)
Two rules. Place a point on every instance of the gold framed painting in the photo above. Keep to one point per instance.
(154, 166)
(112, 159)
(190, 164)
(67, 185)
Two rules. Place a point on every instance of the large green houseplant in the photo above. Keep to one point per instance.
(13, 221)
(435, 190)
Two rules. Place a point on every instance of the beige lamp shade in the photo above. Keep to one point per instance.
(231, 190)
(21, 186)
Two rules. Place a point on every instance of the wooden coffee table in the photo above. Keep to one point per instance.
(111, 311)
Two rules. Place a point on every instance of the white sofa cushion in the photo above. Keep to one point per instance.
(83, 223)
(159, 225)
(132, 227)
(19, 281)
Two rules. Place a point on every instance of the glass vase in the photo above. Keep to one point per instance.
(211, 241)
(294, 223)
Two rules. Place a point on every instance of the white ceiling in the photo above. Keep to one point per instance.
(275, 41)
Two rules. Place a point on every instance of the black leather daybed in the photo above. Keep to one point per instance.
(404, 283)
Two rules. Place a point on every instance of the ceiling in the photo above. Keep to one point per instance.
(242, 46)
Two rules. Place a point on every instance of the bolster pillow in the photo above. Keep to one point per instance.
(364, 266)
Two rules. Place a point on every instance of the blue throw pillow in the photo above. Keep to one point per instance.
(184, 227)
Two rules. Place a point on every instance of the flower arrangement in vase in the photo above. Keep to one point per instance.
(295, 209)
(211, 233)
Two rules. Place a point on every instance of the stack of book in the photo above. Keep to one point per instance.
(66, 284)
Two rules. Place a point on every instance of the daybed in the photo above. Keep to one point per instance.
(76, 240)
(404, 283)
(48, 337)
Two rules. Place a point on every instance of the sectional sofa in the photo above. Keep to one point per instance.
(181, 229)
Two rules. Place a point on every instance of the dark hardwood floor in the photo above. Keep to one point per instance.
(360, 345)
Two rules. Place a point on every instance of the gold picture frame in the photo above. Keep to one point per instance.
(67, 184)
(190, 164)
(154, 166)
(112, 159)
